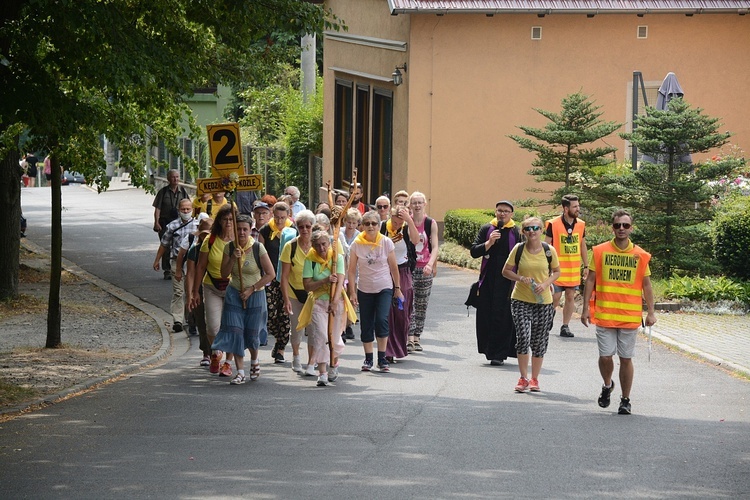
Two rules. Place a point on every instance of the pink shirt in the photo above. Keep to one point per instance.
(423, 247)
(372, 263)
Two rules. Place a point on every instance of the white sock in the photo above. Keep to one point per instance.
(254, 361)
(241, 372)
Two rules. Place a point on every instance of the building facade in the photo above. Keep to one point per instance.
(474, 71)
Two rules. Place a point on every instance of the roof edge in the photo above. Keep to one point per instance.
(546, 7)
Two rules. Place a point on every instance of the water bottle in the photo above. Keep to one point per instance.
(539, 298)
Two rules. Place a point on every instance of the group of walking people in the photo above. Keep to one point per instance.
(298, 278)
(524, 274)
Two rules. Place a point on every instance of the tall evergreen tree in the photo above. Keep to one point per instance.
(671, 196)
(560, 146)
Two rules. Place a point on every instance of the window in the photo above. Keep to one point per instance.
(382, 143)
(362, 137)
(342, 130)
(536, 32)
(642, 32)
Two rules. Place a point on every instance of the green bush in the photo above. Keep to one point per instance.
(462, 225)
(710, 289)
(455, 254)
(731, 236)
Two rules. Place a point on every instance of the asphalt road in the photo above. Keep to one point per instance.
(442, 424)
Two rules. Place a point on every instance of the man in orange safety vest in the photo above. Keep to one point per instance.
(567, 233)
(618, 279)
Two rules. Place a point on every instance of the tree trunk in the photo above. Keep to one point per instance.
(54, 338)
(10, 231)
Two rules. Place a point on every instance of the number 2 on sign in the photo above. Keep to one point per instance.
(223, 157)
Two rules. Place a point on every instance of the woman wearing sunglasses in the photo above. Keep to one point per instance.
(531, 301)
(373, 282)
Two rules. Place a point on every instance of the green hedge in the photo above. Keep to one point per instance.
(462, 225)
(731, 236)
(710, 289)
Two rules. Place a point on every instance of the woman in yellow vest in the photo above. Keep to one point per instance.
(531, 300)
(618, 280)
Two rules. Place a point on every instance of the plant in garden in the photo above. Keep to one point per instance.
(710, 289)
(731, 235)
(671, 199)
(561, 146)
(737, 180)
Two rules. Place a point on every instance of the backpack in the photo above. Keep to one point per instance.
(256, 253)
(547, 254)
(427, 231)
(411, 250)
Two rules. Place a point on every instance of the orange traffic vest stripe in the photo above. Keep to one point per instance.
(568, 252)
(619, 286)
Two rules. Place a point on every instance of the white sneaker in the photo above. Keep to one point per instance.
(297, 364)
(310, 372)
(323, 380)
(333, 373)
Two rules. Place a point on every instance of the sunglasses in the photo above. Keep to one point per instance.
(529, 229)
(371, 223)
(504, 212)
(382, 207)
(623, 225)
(304, 226)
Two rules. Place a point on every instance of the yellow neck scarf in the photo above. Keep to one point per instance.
(246, 249)
(275, 231)
(510, 223)
(389, 227)
(364, 241)
(325, 262)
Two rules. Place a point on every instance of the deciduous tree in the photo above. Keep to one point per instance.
(72, 70)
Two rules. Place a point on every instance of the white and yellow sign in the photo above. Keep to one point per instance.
(226, 149)
(252, 182)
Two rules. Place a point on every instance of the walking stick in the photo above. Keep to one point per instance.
(337, 216)
(236, 243)
(649, 343)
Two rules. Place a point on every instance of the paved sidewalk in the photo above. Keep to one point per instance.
(720, 339)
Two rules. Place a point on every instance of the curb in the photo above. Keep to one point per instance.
(155, 313)
(710, 358)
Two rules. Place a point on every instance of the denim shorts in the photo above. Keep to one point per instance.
(560, 289)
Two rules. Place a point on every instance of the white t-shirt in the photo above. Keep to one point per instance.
(372, 263)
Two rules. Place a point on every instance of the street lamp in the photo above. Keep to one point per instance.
(398, 78)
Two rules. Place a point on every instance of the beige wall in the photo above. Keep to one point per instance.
(473, 79)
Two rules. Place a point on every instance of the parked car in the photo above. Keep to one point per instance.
(70, 177)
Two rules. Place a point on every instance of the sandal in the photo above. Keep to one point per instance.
(254, 372)
(238, 379)
(410, 346)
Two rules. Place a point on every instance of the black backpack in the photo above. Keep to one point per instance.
(547, 254)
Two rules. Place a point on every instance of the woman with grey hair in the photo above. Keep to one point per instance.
(325, 287)
(292, 288)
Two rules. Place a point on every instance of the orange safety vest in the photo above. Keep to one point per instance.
(568, 252)
(619, 286)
